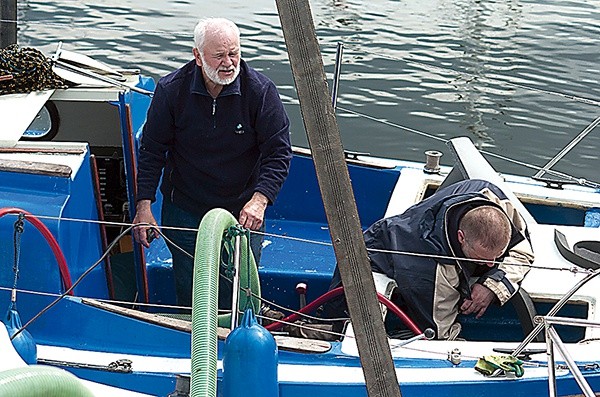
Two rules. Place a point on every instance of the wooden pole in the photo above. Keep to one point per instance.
(340, 207)
(8, 24)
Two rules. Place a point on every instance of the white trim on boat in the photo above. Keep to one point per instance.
(138, 363)
(12, 360)
(289, 373)
(354, 375)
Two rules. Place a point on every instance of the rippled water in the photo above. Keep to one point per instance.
(520, 78)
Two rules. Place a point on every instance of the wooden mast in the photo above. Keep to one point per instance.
(338, 197)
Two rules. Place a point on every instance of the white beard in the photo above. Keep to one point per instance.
(213, 74)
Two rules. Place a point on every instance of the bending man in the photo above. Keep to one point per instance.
(466, 231)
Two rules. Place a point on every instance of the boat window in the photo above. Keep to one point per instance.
(44, 126)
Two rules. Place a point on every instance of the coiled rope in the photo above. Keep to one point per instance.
(26, 69)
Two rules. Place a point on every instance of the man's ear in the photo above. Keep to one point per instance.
(461, 236)
(196, 53)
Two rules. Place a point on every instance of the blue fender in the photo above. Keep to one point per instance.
(250, 361)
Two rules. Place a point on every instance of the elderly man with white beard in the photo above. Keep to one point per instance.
(218, 134)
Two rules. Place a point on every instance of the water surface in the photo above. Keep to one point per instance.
(519, 77)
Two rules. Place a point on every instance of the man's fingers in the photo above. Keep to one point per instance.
(250, 222)
(481, 312)
(466, 305)
(140, 235)
(136, 233)
(254, 224)
(470, 310)
(469, 307)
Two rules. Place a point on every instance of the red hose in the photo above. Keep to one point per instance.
(58, 254)
(326, 297)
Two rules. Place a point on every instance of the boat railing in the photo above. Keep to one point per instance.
(559, 305)
(553, 341)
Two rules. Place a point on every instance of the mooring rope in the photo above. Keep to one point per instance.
(576, 180)
(306, 326)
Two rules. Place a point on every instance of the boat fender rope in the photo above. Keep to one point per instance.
(229, 240)
(45, 232)
(488, 365)
(19, 228)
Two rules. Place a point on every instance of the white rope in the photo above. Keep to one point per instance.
(580, 181)
(572, 269)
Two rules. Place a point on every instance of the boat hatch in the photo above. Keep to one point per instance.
(17, 112)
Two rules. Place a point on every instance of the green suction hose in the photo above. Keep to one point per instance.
(205, 296)
(41, 381)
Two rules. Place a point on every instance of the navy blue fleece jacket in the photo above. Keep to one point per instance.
(214, 152)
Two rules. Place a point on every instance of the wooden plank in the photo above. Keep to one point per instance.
(170, 322)
(340, 207)
(41, 150)
(30, 167)
(283, 342)
(302, 345)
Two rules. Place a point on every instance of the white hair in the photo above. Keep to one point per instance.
(212, 25)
